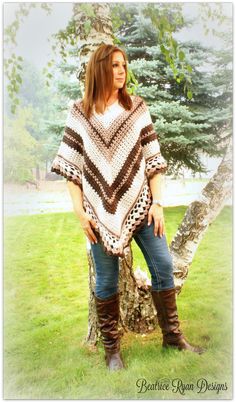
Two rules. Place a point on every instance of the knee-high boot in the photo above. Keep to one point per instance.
(108, 311)
(167, 315)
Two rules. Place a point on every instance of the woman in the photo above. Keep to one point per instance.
(111, 158)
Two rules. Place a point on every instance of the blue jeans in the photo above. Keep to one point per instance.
(156, 253)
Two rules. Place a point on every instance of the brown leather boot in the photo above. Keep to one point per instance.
(167, 315)
(108, 311)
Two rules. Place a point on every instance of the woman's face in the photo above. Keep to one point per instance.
(119, 73)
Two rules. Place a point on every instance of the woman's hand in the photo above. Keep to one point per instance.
(156, 213)
(88, 224)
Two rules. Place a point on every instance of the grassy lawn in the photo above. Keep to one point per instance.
(46, 308)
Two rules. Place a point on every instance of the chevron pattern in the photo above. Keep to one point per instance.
(110, 157)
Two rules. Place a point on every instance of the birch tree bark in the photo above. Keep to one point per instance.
(199, 215)
(93, 26)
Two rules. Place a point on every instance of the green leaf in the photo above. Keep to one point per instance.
(175, 72)
(87, 26)
(88, 10)
(181, 55)
(18, 78)
(189, 68)
(164, 50)
(189, 94)
(13, 109)
(174, 45)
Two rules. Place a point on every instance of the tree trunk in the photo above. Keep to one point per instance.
(91, 30)
(199, 215)
(136, 309)
(37, 173)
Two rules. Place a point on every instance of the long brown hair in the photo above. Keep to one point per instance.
(99, 80)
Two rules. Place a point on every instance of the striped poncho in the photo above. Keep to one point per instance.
(110, 157)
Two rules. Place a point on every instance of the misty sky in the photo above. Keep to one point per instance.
(32, 39)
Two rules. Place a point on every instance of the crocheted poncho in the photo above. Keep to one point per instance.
(110, 157)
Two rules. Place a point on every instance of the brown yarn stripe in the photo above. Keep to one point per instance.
(144, 132)
(121, 184)
(76, 136)
(74, 141)
(113, 127)
(135, 154)
(150, 137)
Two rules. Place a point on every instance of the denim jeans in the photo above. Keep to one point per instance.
(157, 256)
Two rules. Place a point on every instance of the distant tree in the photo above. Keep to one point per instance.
(186, 127)
(20, 148)
(35, 96)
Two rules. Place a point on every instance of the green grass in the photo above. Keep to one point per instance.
(46, 312)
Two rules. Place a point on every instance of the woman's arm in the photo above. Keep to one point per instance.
(77, 198)
(86, 221)
(156, 183)
(155, 211)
